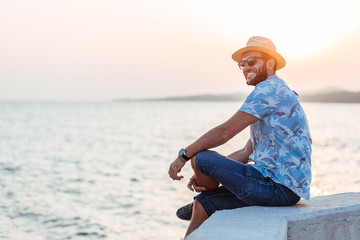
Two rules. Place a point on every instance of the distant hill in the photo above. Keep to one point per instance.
(206, 97)
(340, 96)
(335, 96)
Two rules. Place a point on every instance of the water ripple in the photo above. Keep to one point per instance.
(99, 170)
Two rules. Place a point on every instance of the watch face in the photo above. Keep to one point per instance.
(182, 152)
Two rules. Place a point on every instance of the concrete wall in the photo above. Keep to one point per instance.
(330, 217)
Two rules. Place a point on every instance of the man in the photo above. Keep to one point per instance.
(279, 149)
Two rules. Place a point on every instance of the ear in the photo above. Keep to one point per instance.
(270, 65)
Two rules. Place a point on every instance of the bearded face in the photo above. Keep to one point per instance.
(255, 75)
(254, 67)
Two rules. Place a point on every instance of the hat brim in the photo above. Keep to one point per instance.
(280, 61)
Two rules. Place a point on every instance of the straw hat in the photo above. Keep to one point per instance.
(261, 44)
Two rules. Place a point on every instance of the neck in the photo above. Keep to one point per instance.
(271, 72)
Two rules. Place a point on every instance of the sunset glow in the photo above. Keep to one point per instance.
(87, 50)
(300, 29)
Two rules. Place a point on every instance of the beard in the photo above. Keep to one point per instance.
(259, 76)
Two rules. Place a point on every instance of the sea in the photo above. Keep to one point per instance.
(99, 170)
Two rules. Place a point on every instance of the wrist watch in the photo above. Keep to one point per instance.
(182, 154)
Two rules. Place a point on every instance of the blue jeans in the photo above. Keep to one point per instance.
(242, 185)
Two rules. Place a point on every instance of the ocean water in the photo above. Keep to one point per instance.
(81, 170)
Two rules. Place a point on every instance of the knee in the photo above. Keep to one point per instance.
(193, 163)
(195, 159)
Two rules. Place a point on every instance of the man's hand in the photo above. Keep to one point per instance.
(175, 168)
(192, 185)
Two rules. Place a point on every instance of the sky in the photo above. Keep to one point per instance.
(102, 50)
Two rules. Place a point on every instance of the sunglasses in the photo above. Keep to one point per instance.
(251, 61)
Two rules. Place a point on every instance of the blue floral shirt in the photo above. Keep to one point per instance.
(281, 138)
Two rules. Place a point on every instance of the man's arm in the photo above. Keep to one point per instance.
(222, 133)
(214, 138)
(243, 154)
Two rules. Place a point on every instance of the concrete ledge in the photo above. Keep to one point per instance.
(330, 217)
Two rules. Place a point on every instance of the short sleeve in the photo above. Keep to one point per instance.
(261, 101)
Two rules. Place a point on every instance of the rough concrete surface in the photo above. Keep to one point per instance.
(326, 217)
